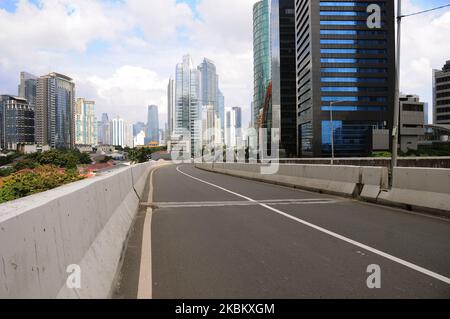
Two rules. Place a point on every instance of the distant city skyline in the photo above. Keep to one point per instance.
(99, 66)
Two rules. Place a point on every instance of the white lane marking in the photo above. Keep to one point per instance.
(145, 285)
(241, 203)
(333, 234)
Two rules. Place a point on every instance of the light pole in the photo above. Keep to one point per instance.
(395, 129)
(332, 127)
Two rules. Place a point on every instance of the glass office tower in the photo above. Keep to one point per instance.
(187, 103)
(55, 105)
(346, 70)
(261, 54)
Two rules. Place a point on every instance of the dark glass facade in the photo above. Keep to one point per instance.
(343, 67)
(261, 55)
(283, 111)
(16, 122)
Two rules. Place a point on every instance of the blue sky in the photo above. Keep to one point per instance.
(122, 52)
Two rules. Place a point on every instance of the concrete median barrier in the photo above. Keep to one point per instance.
(420, 189)
(338, 180)
(46, 238)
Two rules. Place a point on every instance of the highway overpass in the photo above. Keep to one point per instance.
(177, 231)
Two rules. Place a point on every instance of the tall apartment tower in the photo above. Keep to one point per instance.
(55, 106)
(170, 107)
(86, 129)
(152, 124)
(28, 88)
(345, 68)
(441, 95)
(209, 81)
(187, 104)
(118, 132)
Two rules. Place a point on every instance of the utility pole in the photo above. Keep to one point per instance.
(395, 129)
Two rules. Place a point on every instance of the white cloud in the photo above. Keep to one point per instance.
(425, 46)
(141, 41)
(128, 91)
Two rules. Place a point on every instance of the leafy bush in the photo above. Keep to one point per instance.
(6, 171)
(65, 159)
(30, 182)
(142, 155)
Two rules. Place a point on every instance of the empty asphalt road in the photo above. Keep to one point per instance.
(217, 236)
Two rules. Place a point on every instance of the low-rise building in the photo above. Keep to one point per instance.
(412, 119)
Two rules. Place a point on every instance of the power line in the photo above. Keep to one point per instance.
(425, 11)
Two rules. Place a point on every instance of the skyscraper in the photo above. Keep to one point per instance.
(85, 123)
(28, 88)
(274, 72)
(118, 131)
(233, 127)
(441, 95)
(261, 55)
(55, 111)
(152, 124)
(170, 107)
(16, 122)
(187, 104)
(209, 82)
(221, 107)
(212, 133)
(104, 130)
(344, 66)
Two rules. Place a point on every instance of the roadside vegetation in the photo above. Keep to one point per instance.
(142, 155)
(39, 172)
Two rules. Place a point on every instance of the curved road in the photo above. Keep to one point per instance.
(217, 236)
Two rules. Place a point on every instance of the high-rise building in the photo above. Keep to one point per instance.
(118, 132)
(128, 138)
(233, 127)
(212, 133)
(441, 95)
(104, 130)
(55, 125)
(152, 124)
(209, 82)
(411, 123)
(345, 68)
(237, 113)
(274, 73)
(170, 107)
(16, 122)
(187, 104)
(221, 108)
(85, 123)
(261, 55)
(28, 88)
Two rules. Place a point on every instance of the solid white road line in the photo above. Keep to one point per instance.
(145, 285)
(330, 233)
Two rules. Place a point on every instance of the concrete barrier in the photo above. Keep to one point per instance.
(423, 189)
(373, 180)
(339, 180)
(420, 189)
(84, 223)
